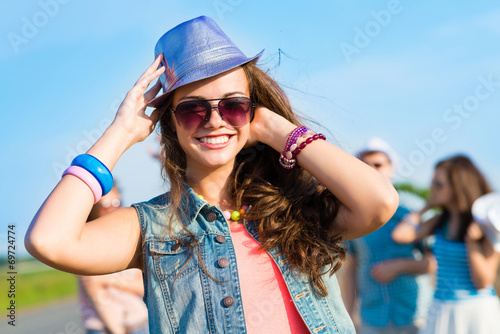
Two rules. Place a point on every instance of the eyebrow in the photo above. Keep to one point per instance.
(198, 97)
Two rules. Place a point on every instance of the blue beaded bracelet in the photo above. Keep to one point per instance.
(97, 169)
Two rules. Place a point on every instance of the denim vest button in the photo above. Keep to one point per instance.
(223, 262)
(176, 246)
(211, 216)
(228, 301)
(220, 239)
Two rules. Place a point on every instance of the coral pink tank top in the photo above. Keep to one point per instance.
(268, 306)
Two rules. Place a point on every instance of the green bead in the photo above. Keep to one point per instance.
(200, 197)
(235, 215)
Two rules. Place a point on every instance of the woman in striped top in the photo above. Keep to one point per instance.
(464, 300)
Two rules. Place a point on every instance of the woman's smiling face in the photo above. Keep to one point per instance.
(217, 143)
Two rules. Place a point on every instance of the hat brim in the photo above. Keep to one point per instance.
(205, 72)
(494, 226)
(486, 211)
(483, 204)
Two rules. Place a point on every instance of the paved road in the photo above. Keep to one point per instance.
(60, 318)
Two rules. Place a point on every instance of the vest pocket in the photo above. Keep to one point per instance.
(174, 258)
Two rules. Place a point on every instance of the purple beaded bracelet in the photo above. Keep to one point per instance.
(292, 139)
(294, 135)
(288, 156)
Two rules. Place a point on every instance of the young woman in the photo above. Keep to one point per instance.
(464, 299)
(224, 123)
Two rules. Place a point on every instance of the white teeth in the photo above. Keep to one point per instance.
(215, 140)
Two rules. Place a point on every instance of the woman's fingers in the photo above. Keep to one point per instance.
(143, 83)
(155, 116)
(151, 93)
(259, 126)
(152, 68)
(137, 92)
(152, 73)
(131, 113)
(474, 231)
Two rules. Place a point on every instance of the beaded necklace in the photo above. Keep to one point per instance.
(234, 215)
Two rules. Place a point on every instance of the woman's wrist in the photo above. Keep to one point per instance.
(473, 245)
(112, 144)
(412, 220)
(472, 241)
(428, 206)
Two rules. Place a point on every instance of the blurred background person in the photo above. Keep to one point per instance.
(112, 303)
(390, 281)
(465, 301)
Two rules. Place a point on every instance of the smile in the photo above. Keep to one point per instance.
(215, 140)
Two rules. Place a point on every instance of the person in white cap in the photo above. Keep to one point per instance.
(390, 281)
(464, 301)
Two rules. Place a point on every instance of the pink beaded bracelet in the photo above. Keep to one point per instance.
(88, 179)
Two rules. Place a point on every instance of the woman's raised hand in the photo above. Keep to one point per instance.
(131, 115)
(474, 232)
(269, 128)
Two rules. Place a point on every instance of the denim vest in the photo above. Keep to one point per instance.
(188, 291)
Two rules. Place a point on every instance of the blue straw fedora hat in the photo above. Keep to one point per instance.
(195, 50)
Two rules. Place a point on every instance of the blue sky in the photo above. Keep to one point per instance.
(423, 75)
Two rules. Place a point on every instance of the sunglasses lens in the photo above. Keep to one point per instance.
(237, 111)
(191, 114)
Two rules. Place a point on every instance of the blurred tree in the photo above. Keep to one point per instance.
(406, 186)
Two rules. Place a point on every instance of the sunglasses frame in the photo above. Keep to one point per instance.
(206, 118)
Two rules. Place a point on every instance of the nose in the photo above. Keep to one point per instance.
(216, 119)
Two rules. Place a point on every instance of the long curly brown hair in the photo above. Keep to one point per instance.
(291, 209)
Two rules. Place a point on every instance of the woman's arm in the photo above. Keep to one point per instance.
(109, 311)
(348, 283)
(483, 259)
(368, 199)
(128, 281)
(59, 235)
(410, 229)
(387, 271)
